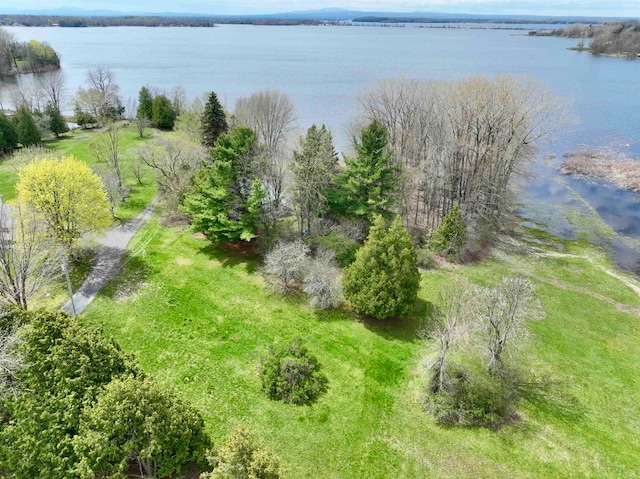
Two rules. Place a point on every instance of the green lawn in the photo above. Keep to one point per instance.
(77, 144)
(199, 317)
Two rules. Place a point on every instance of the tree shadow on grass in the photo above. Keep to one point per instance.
(410, 328)
(233, 254)
(551, 398)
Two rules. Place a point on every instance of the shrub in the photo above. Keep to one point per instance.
(426, 258)
(451, 236)
(291, 374)
(321, 282)
(243, 458)
(476, 398)
(285, 265)
(342, 246)
(383, 281)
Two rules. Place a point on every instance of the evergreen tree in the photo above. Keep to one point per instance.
(8, 134)
(451, 236)
(383, 281)
(145, 104)
(369, 183)
(214, 121)
(226, 200)
(57, 123)
(136, 420)
(314, 169)
(163, 114)
(27, 128)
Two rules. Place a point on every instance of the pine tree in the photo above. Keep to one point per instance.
(314, 169)
(145, 104)
(163, 116)
(226, 201)
(369, 183)
(383, 281)
(214, 121)
(8, 134)
(28, 132)
(57, 123)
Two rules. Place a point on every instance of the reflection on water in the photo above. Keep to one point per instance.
(325, 70)
(588, 208)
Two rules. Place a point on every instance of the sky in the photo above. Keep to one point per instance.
(607, 8)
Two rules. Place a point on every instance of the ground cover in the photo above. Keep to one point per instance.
(77, 144)
(199, 317)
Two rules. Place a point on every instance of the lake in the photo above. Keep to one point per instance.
(324, 69)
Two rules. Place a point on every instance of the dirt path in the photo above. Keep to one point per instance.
(508, 244)
(114, 244)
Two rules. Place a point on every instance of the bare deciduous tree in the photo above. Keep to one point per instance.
(504, 312)
(321, 281)
(54, 86)
(111, 186)
(461, 143)
(178, 99)
(285, 265)
(174, 160)
(102, 97)
(29, 96)
(452, 325)
(106, 149)
(271, 114)
(29, 258)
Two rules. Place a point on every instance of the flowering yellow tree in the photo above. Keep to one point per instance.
(69, 197)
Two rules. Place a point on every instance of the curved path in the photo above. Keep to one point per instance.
(114, 244)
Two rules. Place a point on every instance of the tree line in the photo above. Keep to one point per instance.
(25, 57)
(611, 38)
(144, 21)
(432, 172)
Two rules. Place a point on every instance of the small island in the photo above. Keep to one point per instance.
(615, 39)
(25, 57)
(604, 164)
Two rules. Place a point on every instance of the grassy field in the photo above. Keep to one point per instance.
(199, 317)
(78, 145)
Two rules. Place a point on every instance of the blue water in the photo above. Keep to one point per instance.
(325, 69)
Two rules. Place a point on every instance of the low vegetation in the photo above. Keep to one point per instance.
(290, 373)
(374, 369)
(605, 164)
(499, 348)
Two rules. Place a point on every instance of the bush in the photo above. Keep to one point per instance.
(451, 236)
(321, 282)
(342, 246)
(383, 281)
(476, 398)
(285, 265)
(426, 258)
(291, 374)
(243, 458)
